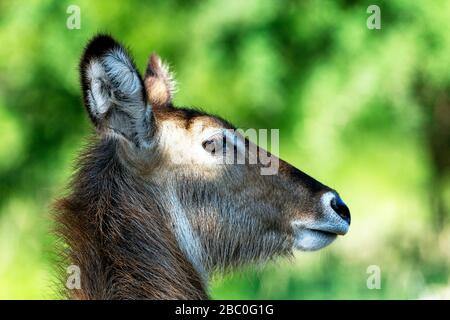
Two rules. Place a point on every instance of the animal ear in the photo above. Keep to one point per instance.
(159, 83)
(114, 92)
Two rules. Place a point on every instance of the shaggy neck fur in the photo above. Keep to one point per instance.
(120, 240)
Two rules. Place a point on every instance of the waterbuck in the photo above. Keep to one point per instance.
(153, 209)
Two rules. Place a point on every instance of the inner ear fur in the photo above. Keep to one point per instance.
(113, 90)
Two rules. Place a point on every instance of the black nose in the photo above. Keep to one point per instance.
(341, 208)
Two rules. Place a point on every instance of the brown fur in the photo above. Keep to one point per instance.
(123, 245)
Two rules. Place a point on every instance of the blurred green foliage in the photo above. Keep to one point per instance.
(365, 111)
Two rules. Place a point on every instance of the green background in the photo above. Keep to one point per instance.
(364, 111)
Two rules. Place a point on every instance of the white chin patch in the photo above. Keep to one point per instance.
(311, 240)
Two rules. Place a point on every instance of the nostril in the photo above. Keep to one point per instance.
(341, 208)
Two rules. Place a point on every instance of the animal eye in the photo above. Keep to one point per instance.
(208, 145)
(215, 145)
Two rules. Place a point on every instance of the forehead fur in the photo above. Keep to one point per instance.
(189, 117)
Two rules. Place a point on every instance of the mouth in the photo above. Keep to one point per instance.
(315, 237)
(312, 240)
(325, 233)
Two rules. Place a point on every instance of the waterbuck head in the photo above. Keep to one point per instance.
(163, 185)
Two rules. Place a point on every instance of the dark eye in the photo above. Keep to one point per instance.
(215, 145)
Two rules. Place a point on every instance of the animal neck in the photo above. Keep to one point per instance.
(122, 242)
